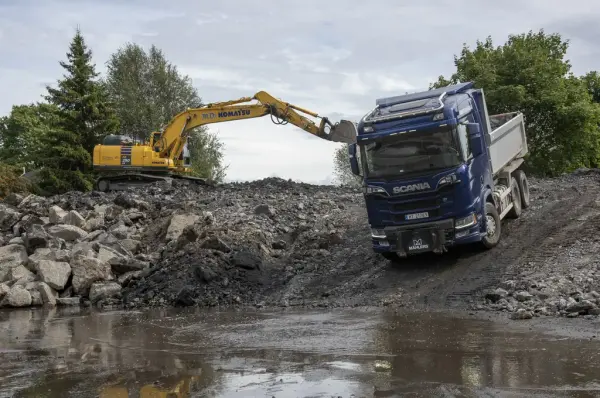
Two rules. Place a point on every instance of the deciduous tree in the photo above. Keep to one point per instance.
(341, 168)
(529, 73)
(22, 132)
(148, 91)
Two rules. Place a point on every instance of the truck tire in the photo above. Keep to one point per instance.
(516, 210)
(493, 229)
(523, 187)
(391, 256)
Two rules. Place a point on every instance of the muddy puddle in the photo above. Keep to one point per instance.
(345, 353)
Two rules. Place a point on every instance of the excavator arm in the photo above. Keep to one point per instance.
(174, 136)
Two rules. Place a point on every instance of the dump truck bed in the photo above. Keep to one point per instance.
(507, 140)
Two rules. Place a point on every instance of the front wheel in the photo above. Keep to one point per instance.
(493, 229)
(391, 256)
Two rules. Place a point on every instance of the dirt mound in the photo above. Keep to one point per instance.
(276, 242)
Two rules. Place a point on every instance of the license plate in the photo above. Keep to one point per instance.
(417, 216)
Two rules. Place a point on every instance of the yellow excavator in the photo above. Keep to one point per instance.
(164, 155)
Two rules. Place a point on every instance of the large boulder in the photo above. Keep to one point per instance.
(20, 273)
(54, 273)
(74, 218)
(48, 295)
(57, 215)
(86, 271)
(103, 290)
(36, 237)
(177, 225)
(18, 296)
(69, 233)
(9, 216)
(11, 256)
(45, 253)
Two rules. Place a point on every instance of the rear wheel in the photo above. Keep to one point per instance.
(523, 188)
(516, 210)
(493, 229)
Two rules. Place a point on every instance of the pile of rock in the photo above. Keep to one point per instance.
(163, 244)
(51, 256)
(564, 284)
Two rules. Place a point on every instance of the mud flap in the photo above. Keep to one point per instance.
(344, 131)
(420, 241)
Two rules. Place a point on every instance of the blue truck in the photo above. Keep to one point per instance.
(438, 171)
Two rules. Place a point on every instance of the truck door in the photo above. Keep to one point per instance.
(474, 166)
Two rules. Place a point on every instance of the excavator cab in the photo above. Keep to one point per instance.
(155, 141)
(117, 140)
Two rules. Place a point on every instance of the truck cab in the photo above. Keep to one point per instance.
(438, 171)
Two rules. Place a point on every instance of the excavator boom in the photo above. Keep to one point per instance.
(175, 133)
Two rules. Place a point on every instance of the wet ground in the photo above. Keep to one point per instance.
(347, 353)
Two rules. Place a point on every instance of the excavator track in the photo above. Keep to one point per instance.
(123, 182)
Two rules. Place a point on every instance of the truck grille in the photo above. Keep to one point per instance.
(399, 206)
(416, 205)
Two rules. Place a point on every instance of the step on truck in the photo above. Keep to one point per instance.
(438, 171)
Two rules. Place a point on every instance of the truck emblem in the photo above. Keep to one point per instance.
(411, 188)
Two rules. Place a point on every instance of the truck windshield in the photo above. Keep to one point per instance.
(410, 153)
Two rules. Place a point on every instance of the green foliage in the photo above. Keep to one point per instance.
(53, 181)
(529, 73)
(82, 100)
(342, 170)
(12, 182)
(146, 90)
(592, 83)
(206, 152)
(22, 132)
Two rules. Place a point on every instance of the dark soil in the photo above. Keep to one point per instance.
(278, 243)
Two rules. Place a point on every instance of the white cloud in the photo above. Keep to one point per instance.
(336, 61)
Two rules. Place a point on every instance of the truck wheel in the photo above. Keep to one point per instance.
(516, 210)
(523, 187)
(493, 229)
(391, 256)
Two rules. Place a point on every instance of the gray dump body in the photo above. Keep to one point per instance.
(507, 140)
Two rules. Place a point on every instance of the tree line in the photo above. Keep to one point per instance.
(55, 137)
(530, 73)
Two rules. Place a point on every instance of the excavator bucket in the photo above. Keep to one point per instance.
(344, 131)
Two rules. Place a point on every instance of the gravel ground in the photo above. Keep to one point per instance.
(277, 243)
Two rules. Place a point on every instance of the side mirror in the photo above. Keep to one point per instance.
(475, 139)
(353, 159)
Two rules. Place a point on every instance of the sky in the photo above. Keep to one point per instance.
(333, 57)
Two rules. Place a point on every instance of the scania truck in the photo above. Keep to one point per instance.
(438, 171)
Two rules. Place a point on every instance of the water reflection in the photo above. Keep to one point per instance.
(193, 353)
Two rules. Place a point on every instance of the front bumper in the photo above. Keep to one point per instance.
(433, 236)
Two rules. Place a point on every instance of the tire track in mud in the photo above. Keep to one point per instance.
(352, 274)
(525, 239)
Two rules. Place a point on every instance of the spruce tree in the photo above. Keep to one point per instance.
(82, 117)
(82, 99)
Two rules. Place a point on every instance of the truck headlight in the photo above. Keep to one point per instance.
(378, 233)
(447, 180)
(371, 189)
(465, 222)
